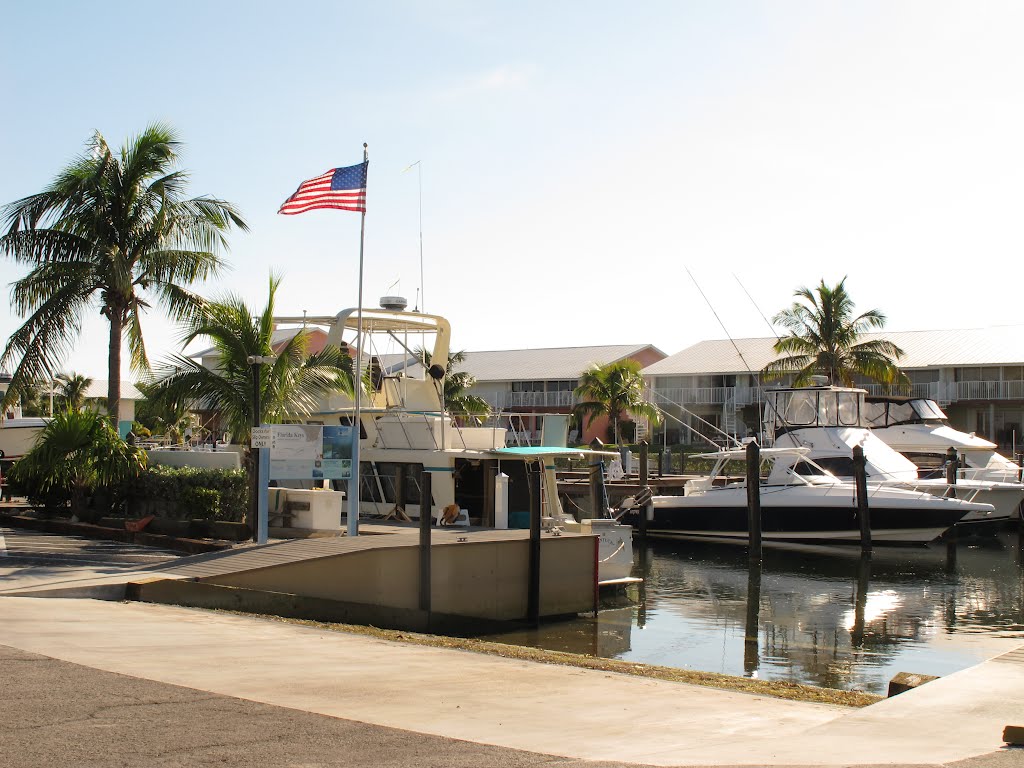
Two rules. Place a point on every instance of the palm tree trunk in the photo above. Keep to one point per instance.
(114, 365)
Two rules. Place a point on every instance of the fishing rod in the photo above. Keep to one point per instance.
(766, 321)
(756, 377)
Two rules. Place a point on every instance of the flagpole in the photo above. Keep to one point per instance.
(353, 486)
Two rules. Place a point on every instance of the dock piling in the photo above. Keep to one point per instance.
(754, 501)
(952, 464)
(644, 487)
(535, 477)
(425, 524)
(860, 477)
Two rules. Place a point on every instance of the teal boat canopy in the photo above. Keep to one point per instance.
(549, 450)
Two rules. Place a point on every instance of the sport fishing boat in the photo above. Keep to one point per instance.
(477, 479)
(801, 501)
(830, 421)
(920, 430)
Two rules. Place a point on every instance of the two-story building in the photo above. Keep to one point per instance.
(976, 375)
(541, 381)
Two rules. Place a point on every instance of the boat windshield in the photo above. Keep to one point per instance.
(887, 413)
(814, 407)
(928, 410)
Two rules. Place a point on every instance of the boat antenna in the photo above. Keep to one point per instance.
(419, 178)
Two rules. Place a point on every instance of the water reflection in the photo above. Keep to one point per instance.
(829, 617)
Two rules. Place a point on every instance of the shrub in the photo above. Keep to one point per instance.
(201, 503)
(189, 492)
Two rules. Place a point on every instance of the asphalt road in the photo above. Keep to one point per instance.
(54, 713)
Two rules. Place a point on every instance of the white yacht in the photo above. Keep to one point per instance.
(829, 421)
(919, 429)
(802, 501)
(476, 477)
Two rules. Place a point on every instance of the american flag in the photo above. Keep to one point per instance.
(341, 188)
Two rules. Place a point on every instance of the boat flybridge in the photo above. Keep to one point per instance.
(801, 502)
(406, 429)
(919, 429)
(830, 421)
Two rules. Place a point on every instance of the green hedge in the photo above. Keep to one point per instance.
(189, 493)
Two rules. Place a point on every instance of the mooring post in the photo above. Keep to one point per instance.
(682, 460)
(596, 482)
(951, 466)
(751, 634)
(754, 500)
(426, 519)
(860, 599)
(860, 476)
(644, 487)
(535, 477)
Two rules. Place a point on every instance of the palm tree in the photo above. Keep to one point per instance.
(456, 399)
(76, 454)
(291, 386)
(113, 230)
(73, 390)
(611, 390)
(825, 338)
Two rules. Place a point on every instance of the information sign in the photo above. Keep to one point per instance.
(306, 452)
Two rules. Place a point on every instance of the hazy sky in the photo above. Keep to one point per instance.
(576, 156)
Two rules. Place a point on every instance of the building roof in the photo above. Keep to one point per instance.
(98, 389)
(996, 345)
(545, 364)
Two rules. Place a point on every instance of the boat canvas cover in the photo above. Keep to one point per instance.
(528, 451)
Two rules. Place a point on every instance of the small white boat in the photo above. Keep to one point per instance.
(803, 502)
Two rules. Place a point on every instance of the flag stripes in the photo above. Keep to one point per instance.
(339, 188)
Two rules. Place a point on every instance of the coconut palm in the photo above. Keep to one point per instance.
(456, 399)
(826, 338)
(290, 387)
(74, 388)
(113, 232)
(76, 454)
(612, 390)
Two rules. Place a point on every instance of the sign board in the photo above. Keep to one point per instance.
(308, 452)
(260, 437)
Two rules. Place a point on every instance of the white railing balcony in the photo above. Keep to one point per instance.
(928, 391)
(988, 390)
(560, 399)
(693, 395)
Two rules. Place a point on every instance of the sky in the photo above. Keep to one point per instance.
(587, 168)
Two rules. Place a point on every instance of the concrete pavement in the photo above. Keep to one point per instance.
(569, 713)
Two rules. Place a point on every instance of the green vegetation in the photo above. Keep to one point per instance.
(78, 456)
(290, 387)
(113, 229)
(71, 390)
(611, 390)
(456, 399)
(825, 338)
(188, 493)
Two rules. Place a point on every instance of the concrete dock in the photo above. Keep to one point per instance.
(563, 713)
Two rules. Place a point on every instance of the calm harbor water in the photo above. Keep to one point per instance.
(825, 617)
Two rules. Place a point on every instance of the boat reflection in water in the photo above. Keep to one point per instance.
(826, 617)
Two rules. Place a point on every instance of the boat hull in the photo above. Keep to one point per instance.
(806, 515)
